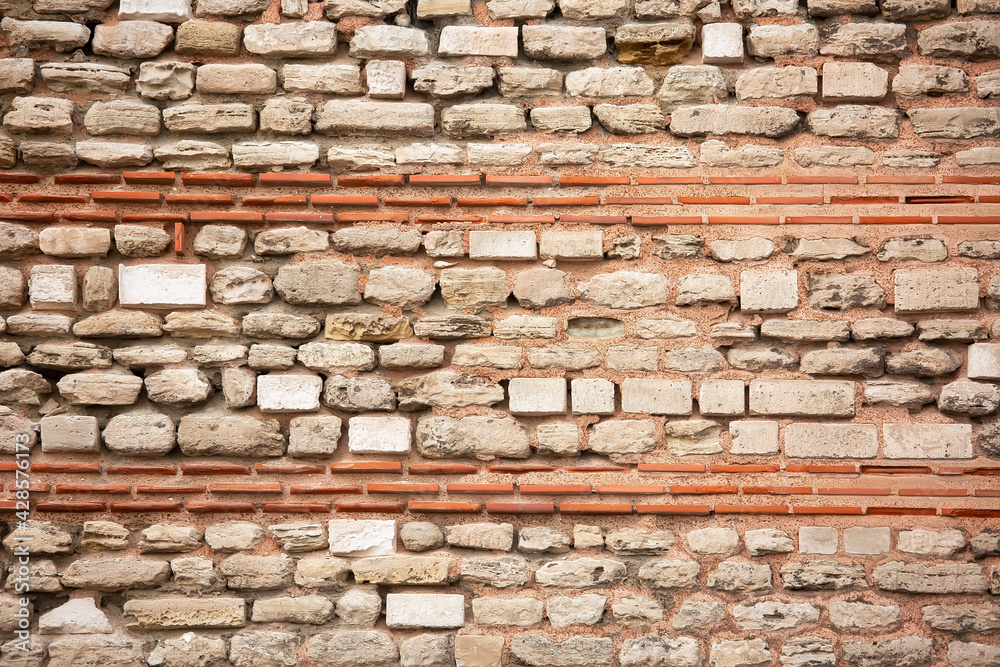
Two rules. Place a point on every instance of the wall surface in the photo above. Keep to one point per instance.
(589, 333)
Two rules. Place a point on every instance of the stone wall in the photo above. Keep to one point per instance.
(364, 333)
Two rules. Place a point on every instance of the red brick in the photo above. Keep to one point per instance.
(133, 469)
(901, 511)
(441, 507)
(209, 507)
(777, 490)
(714, 200)
(69, 507)
(751, 509)
(595, 219)
(903, 180)
(519, 468)
(149, 177)
(170, 489)
(744, 468)
(831, 510)
(520, 508)
(668, 180)
(295, 508)
(417, 201)
(93, 488)
(392, 467)
(284, 469)
(743, 220)
(308, 218)
(444, 180)
(703, 490)
(479, 488)
(854, 491)
(522, 218)
(126, 197)
(821, 180)
(325, 490)
(610, 199)
(492, 201)
(895, 219)
(151, 508)
(286, 200)
(200, 200)
(818, 220)
(566, 201)
(344, 200)
(442, 469)
(597, 181)
(672, 467)
(402, 488)
(518, 180)
(659, 220)
(295, 180)
(213, 469)
(226, 216)
(933, 492)
(44, 198)
(371, 508)
(373, 217)
(28, 216)
(227, 487)
(19, 178)
(745, 180)
(69, 468)
(789, 200)
(219, 180)
(674, 509)
(895, 470)
(637, 490)
(89, 216)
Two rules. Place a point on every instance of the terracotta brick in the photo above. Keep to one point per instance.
(219, 180)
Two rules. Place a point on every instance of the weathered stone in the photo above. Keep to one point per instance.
(63, 36)
(171, 613)
(536, 651)
(163, 538)
(556, 42)
(774, 616)
(721, 120)
(208, 38)
(353, 648)
(115, 574)
(132, 39)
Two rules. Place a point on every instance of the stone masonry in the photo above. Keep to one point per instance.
(499, 333)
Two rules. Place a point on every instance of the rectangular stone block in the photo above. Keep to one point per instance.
(754, 438)
(474, 41)
(863, 541)
(70, 433)
(656, 397)
(767, 291)
(502, 245)
(362, 537)
(573, 245)
(831, 441)
(722, 398)
(75, 242)
(802, 398)
(361, 117)
(822, 540)
(593, 396)
(984, 361)
(162, 285)
(424, 610)
(288, 393)
(537, 396)
(927, 290)
(174, 613)
(379, 435)
(52, 286)
(927, 441)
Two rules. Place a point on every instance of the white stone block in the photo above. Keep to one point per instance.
(925, 290)
(502, 245)
(362, 537)
(984, 361)
(802, 398)
(424, 610)
(378, 435)
(822, 540)
(722, 44)
(754, 438)
(52, 286)
(70, 433)
(927, 441)
(766, 291)
(572, 245)
(162, 285)
(854, 82)
(593, 396)
(806, 440)
(722, 398)
(656, 397)
(867, 541)
(537, 396)
(473, 41)
(164, 11)
(386, 79)
(288, 393)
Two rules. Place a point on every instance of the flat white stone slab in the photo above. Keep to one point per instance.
(484, 244)
(424, 610)
(288, 393)
(362, 537)
(379, 435)
(162, 285)
(927, 441)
